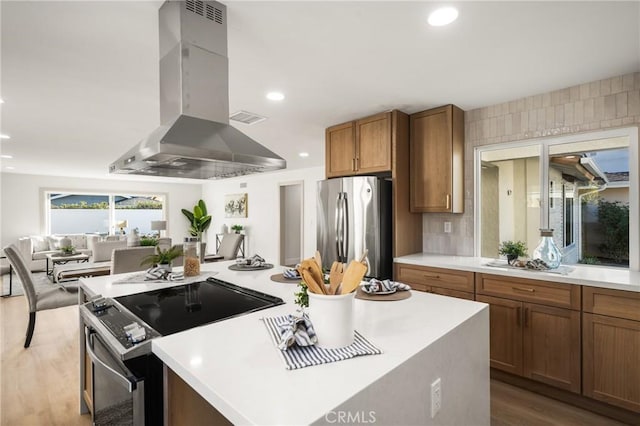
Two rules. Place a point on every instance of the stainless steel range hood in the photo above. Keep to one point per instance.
(195, 139)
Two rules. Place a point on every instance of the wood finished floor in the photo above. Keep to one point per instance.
(39, 385)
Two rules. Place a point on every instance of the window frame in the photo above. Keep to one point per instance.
(46, 205)
(544, 143)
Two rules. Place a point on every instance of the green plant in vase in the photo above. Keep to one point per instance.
(302, 298)
(68, 250)
(512, 250)
(148, 241)
(162, 257)
(198, 218)
(237, 228)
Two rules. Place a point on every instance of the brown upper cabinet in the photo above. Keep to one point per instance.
(437, 159)
(359, 147)
(379, 144)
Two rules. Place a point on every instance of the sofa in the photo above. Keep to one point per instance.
(102, 259)
(35, 248)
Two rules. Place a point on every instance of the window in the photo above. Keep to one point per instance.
(71, 213)
(588, 199)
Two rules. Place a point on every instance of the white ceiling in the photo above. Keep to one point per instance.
(80, 78)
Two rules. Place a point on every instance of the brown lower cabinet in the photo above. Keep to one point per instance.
(88, 382)
(441, 281)
(611, 347)
(185, 406)
(585, 340)
(533, 340)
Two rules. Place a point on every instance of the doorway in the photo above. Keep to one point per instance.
(291, 223)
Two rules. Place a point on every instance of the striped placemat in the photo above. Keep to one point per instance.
(305, 356)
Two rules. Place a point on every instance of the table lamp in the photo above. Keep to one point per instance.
(122, 224)
(159, 225)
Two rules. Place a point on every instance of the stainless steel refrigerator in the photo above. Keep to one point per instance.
(354, 214)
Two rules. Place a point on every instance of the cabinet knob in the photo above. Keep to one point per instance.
(353, 164)
(448, 201)
(435, 277)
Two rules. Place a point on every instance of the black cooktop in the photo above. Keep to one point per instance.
(179, 308)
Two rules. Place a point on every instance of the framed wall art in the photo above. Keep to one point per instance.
(235, 205)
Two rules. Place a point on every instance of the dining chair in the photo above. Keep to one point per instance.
(53, 298)
(129, 259)
(229, 246)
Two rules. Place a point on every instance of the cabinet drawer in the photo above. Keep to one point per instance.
(452, 293)
(613, 303)
(438, 277)
(543, 292)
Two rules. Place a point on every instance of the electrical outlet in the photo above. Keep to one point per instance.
(447, 227)
(436, 397)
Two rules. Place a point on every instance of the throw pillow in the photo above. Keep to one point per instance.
(79, 241)
(39, 243)
(133, 240)
(54, 242)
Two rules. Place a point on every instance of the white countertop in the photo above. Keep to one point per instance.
(589, 275)
(235, 366)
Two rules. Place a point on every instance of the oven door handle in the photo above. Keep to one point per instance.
(129, 384)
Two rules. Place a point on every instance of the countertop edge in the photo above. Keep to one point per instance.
(585, 275)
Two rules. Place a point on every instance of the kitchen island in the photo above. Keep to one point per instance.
(235, 367)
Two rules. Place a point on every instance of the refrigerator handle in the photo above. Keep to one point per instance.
(345, 227)
(338, 224)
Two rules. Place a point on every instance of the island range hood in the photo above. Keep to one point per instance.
(195, 139)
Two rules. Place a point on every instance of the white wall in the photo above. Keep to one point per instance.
(22, 204)
(263, 221)
(290, 222)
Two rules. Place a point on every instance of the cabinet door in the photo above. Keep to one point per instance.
(611, 360)
(552, 346)
(431, 161)
(88, 382)
(340, 150)
(373, 147)
(505, 331)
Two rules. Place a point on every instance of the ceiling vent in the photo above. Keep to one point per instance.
(246, 117)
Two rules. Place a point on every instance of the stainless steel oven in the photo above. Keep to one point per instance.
(127, 378)
(117, 393)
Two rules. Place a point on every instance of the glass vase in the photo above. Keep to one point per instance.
(547, 250)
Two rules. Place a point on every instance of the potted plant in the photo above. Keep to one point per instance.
(147, 240)
(162, 258)
(513, 250)
(237, 228)
(68, 250)
(198, 218)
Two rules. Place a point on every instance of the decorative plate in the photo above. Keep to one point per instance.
(366, 290)
(250, 268)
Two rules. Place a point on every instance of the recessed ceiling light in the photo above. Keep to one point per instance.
(9, 168)
(443, 16)
(1, 101)
(6, 156)
(304, 154)
(275, 96)
(5, 136)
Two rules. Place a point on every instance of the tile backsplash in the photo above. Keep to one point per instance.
(598, 105)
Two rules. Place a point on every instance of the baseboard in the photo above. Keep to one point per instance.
(613, 412)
